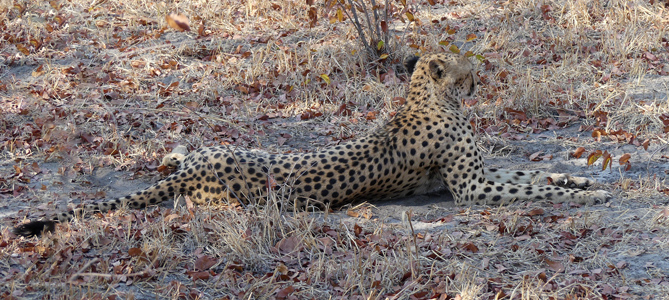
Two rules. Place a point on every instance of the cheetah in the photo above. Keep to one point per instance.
(428, 146)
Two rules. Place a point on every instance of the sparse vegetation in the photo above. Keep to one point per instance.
(93, 95)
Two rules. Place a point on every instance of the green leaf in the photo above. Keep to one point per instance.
(379, 46)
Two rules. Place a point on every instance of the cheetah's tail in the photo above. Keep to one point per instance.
(35, 228)
(152, 195)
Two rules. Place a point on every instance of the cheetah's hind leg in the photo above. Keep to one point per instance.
(174, 159)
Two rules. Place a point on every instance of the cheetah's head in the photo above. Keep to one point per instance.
(447, 73)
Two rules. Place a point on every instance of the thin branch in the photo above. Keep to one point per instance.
(357, 25)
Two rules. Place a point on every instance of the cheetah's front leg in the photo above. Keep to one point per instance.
(537, 177)
(475, 188)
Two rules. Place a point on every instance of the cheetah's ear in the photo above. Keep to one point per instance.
(410, 64)
(437, 69)
(441, 71)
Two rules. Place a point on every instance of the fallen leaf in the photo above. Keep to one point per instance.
(554, 265)
(204, 263)
(454, 49)
(134, 252)
(410, 16)
(535, 156)
(535, 212)
(285, 292)
(177, 21)
(325, 78)
(578, 152)
(470, 247)
(607, 160)
(594, 156)
(203, 275)
(288, 245)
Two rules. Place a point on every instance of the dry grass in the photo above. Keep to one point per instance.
(89, 87)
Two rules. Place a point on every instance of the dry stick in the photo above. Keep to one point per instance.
(357, 25)
(146, 271)
(377, 22)
(385, 18)
(88, 264)
(651, 157)
(415, 245)
(142, 273)
(368, 19)
(135, 52)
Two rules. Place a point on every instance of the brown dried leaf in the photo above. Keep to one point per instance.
(313, 16)
(399, 100)
(535, 156)
(282, 269)
(204, 263)
(597, 134)
(470, 247)
(501, 228)
(22, 49)
(177, 21)
(357, 229)
(578, 152)
(310, 114)
(285, 292)
(203, 275)
(39, 71)
(554, 265)
(623, 159)
(535, 212)
(288, 245)
(134, 252)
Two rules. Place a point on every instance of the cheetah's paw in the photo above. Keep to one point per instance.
(597, 197)
(568, 181)
(174, 159)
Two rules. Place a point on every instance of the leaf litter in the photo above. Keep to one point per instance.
(95, 94)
